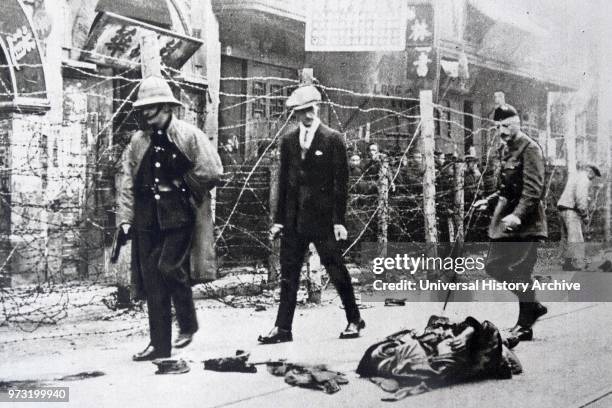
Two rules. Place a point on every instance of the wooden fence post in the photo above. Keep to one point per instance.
(383, 206)
(459, 212)
(429, 185)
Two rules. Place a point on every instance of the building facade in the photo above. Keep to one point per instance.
(69, 71)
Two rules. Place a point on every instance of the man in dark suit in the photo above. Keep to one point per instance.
(313, 190)
(518, 223)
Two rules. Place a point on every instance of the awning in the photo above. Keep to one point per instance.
(155, 12)
(502, 38)
(22, 77)
(507, 14)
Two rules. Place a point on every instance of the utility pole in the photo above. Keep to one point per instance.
(429, 178)
(459, 212)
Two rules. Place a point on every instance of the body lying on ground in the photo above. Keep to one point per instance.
(410, 362)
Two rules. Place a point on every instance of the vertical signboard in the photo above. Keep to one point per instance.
(23, 74)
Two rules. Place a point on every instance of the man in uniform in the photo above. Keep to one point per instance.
(312, 196)
(518, 222)
(167, 172)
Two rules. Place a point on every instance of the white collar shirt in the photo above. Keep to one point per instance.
(307, 133)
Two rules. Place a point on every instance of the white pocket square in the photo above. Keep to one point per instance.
(318, 153)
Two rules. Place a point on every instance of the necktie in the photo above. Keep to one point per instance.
(304, 143)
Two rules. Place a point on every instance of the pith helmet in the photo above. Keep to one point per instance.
(155, 90)
(303, 97)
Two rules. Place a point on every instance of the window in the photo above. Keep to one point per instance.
(277, 103)
(259, 102)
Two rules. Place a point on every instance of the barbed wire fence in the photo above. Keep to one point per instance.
(56, 233)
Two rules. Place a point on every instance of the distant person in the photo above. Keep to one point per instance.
(229, 153)
(355, 166)
(371, 166)
(472, 179)
(574, 212)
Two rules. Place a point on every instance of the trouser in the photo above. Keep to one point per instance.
(513, 260)
(293, 249)
(164, 262)
(572, 241)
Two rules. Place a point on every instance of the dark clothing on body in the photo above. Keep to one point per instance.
(410, 362)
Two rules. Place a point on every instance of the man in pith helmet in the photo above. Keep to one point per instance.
(168, 170)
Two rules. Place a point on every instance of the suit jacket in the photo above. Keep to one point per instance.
(520, 190)
(205, 172)
(312, 192)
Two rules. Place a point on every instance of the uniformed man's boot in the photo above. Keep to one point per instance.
(529, 312)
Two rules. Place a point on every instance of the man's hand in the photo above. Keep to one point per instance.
(120, 239)
(459, 343)
(481, 205)
(275, 231)
(340, 232)
(511, 222)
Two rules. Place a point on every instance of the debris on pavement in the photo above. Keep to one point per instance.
(316, 377)
(81, 376)
(395, 302)
(238, 363)
(171, 366)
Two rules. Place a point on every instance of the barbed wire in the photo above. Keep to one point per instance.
(56, 234)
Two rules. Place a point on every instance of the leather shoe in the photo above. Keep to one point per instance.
(183, 340)
(148, 354)
(276, 335)
(352, 330)
(521, 333)
(539, 310)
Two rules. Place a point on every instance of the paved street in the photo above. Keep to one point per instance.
(567, 365)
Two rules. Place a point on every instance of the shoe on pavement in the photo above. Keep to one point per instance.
(352, 330)
(275, 336)
(149, 354)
